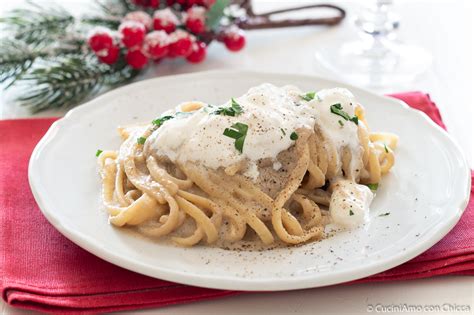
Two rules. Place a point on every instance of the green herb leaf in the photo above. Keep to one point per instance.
(294, 136)
(236, 107)
(216, 13)
(234, 110)
(239, 144)
(340, 122)
(385, 147)
(337, 109)
(373, 186)
(384, 214)
(351, 213)
(283, 131)
(141, 140)
(159, 121)
(98, 152)
(308, 96)
(238, 133)
(242, 128)
(231, 133)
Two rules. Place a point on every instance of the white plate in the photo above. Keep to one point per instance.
(425, 193)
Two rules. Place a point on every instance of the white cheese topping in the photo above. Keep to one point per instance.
(349, 205)
(271, 114)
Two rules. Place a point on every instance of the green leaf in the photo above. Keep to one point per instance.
(384, 214)
(98, 152)
(308, 96)
(236, 107)
(337, 109)
(234, 110)
(294, 136)
(385, 147)
(351, 213)
(242, 128)
(283, 131)
(215, 14)
(239, 144)
(373, 186)
(231, 133)
(238, 135)
(160, 121)
(141, 140)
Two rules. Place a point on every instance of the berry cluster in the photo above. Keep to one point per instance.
(169, 33)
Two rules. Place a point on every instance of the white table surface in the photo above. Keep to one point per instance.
(445, 28)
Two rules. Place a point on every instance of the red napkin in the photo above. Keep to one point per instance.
(42, 270)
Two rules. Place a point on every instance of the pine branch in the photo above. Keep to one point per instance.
(36, 25)
(110, 22)
(112, 13)
(15, 59)
(70, 80)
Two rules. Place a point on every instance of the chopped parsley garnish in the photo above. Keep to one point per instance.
(384, 214)
(238, 133)
(141, 140)
(337, 109)
(373, 186)
(385, 147)
(159, 121)
(283, 131)
(98, 152)
(294, 136)
(351, 213)
(308, 96)
(234, 110)
(340, 122)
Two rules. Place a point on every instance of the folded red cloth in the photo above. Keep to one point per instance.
(42, 270)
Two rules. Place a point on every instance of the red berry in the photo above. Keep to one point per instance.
(132, 32)
(182, 47)
(109, 55)
(136, 59)
(100, 38)
(147, 3)
(154, 4)
(234, 39)
(195, 26)
(156, 44)
(195, 19)
(190, 3)
(198, 54)
(165, 20)
(140, 17)
(181, 44)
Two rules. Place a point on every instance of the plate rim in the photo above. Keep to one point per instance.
(231, 283)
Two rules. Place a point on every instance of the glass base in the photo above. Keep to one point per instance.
(374, 63)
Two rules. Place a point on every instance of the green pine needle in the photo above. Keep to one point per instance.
(36, 24)
(69, 81)
(15, 59)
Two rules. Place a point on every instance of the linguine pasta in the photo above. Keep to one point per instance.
(273, 166)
